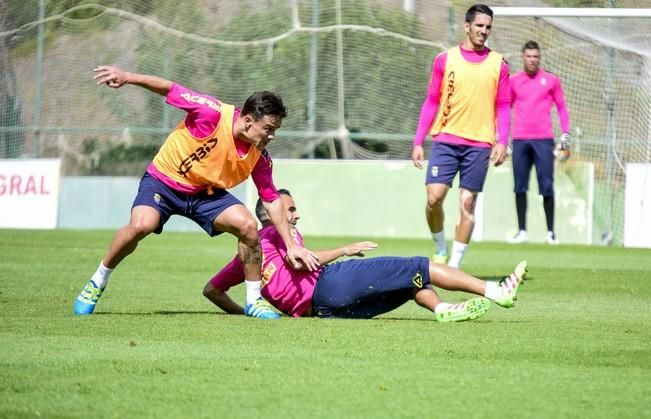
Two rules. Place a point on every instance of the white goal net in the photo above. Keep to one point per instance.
(353, 74)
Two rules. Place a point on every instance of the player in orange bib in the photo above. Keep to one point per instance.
(467, 94)
(215, 147)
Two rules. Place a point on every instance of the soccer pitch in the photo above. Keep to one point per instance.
(578, 343)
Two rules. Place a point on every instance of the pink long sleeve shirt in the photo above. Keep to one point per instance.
(287, 289)
(430, 106)
(532, 98)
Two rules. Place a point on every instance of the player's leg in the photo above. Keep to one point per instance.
(441, 169)
(472, 175)
(435, 217)
(238, 221)
(503, 292)
(522, 161)
(370, 287)
(151, 209)
(144, 221)
(544, 161)
(369, 308)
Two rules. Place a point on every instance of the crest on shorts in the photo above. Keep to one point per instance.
(157, 198)
(418, 280)
(435, 171)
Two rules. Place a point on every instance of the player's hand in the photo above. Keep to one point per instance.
(111, 76)
(300, 256)
(417, 156)
(498, 154)
(564, 152)
(358, 249)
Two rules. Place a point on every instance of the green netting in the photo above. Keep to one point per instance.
(353, 75)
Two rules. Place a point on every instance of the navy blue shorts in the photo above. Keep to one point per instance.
(533, 152)
(445, 160)
(200, 208)
(364, 288)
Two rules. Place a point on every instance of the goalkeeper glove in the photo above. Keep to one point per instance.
(564, 153)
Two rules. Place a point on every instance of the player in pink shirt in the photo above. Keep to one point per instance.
(215, 147)
(468, 92)
(357, 288)
(533, 92)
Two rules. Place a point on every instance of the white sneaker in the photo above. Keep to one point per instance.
(551, 238)
(520, 237)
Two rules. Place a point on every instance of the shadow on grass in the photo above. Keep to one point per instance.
(157, 313)
(393, 319)
(498, 278)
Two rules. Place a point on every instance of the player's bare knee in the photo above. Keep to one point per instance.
(141, 228)
(468, 200)
(248, 233)
(434, 201)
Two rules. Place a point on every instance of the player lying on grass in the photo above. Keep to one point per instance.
(357, 288)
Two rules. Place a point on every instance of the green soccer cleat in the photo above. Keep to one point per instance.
(511, 284)
(441, 259)
(468, 310)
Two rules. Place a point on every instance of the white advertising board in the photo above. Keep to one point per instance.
(637, 207)
(29, 193)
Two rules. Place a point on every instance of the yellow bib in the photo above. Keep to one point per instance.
(468, 95)
(211, 161)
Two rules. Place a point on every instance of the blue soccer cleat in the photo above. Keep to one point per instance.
(85, 302)
(261, 309)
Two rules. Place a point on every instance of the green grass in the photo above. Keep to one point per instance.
(578, 344)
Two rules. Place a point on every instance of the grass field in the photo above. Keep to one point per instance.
(578, 344)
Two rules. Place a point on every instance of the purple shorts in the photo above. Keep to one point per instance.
(365, 288)
(201, 208)
(445, 160)
(533, 152)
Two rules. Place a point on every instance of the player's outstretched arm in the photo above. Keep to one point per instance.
(329, 255)
(115, 77)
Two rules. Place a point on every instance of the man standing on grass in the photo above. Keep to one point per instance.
(468, 92)
(216, 147)
(533, 91)
(356, 288)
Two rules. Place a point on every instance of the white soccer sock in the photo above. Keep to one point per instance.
(458, 250)
(252, 291)
(493, 290)
(441, 307)
(439, 241)
(101, 276)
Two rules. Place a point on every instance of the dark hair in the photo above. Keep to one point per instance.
(261, 212)
(530, 45)
(478, 9)
(264, 103)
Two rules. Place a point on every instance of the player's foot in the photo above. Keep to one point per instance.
(551, 238)
(440, 258)
(87, 298)
(468, 310)
(511, 284)
(520, 237)
(261, 309)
